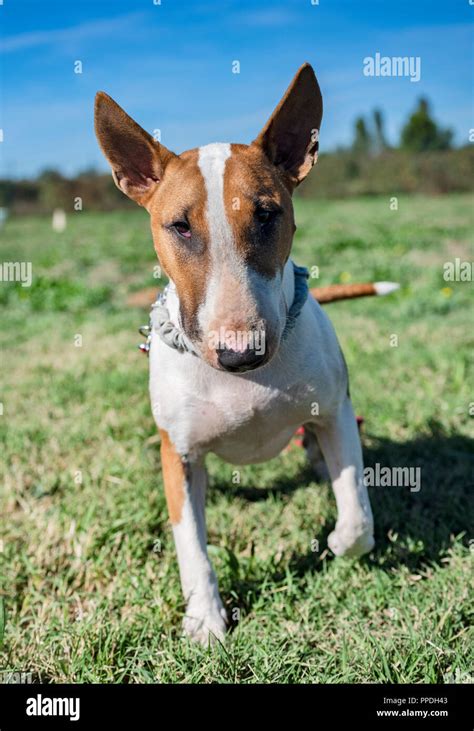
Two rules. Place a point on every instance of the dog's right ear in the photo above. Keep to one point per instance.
(290, 137)
(137, 160)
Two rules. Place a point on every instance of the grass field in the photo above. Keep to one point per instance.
(90, 581)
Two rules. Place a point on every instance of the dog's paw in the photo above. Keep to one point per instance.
(350, 541)
(205, 622)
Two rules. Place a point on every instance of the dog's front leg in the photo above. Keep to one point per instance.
(185, 487)
(340, 445)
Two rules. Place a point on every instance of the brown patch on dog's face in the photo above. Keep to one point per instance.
(259, 209)
(259, 212)
(181, 199)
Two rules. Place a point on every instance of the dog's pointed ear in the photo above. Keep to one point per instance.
(137, 160)
(290, 137)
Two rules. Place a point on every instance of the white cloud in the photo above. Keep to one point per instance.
(81, 32)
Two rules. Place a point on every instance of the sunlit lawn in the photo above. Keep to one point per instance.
(90, 581)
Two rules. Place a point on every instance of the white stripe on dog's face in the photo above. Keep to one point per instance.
(228, 302)
(211, 161)
(239, 300)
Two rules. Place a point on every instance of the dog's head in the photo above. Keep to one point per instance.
(222, 219)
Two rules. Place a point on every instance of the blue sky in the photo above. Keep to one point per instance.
(170, 66)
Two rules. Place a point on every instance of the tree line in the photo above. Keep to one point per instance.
(420, 133)
(423, 161)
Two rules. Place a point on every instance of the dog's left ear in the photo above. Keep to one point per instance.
(137, 160)
(290, 137)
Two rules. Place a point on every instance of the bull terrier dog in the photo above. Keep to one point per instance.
(240, 356)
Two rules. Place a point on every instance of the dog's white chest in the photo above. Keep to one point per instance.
(251, 422)
(242, 421)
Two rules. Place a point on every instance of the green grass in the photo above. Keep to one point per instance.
(90, 581)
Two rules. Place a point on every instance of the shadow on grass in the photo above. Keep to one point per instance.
(424, 521)
(413, 528)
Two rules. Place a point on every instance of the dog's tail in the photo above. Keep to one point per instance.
(336, 292)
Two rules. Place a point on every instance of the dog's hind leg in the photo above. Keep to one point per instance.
(185, 487)
(339, 440)
(314, 454)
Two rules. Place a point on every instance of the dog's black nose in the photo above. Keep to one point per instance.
(239, 360)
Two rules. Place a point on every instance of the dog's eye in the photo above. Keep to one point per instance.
(183, 229)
